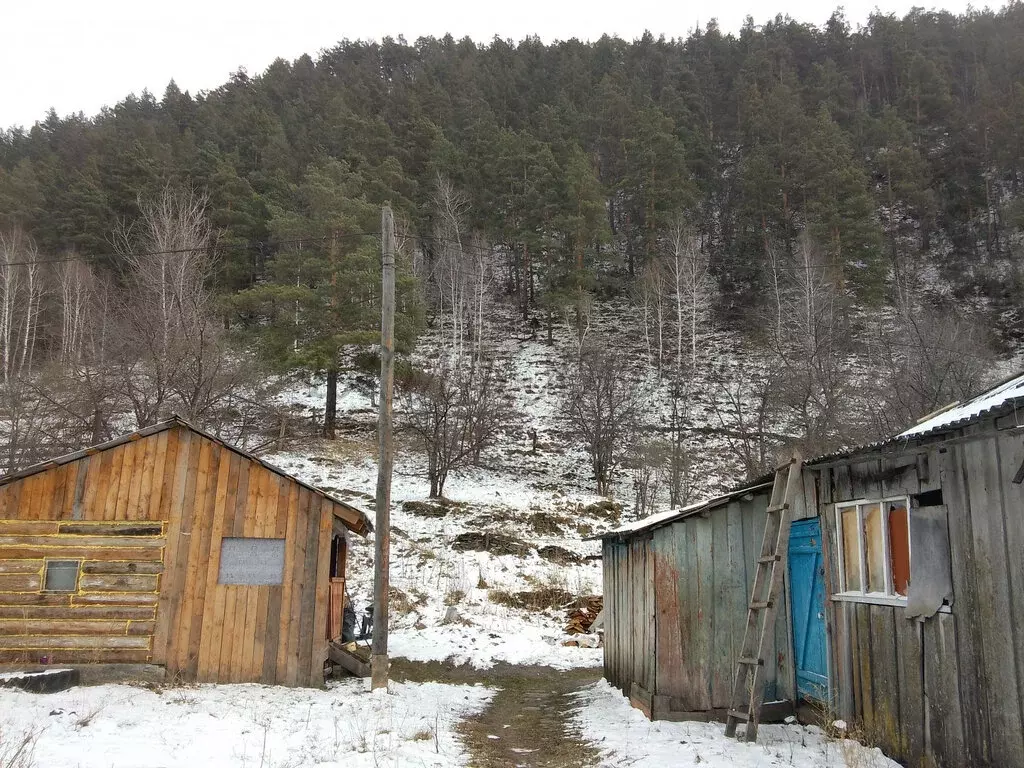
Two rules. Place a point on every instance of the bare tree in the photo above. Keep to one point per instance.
(928, 356)
(812, 350)
(171, 347)
(457, 411)
(603, 407)
(693, 289)
(747, 412)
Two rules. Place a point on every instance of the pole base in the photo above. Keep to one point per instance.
(378, 672)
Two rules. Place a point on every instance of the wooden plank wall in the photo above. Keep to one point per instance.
(199, 492)
(110, 618)
(676, 606)
(949, 689)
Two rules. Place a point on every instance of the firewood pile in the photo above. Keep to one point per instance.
(582, 614)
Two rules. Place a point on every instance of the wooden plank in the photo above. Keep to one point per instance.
(944, 720)
(885, 681)
(125, 479)
(35, 598)
(723, 586)
(910, 672)
(119, 528)
(321, 597)
(966, 603)
(307, 595)
(101, 566)
(143, 453)
(140, 506)
(994, 618)
(81, 656)
(27, 527)
(297, 546)
(170, 587)
(235, 598)
(94, 465)
(863, 662)
(1011, 458)
(65, 626)
(666, 635)
(187, 656)
(115, 598)
(110, 481)
(213, 614)
(80, 642)
(60, 486)
(21, 566)
(100, 543)
(60, 612)
(277, 607)
(137, 582)
(20, 582)
(220, 463)
(259, 629)
(73, 552)
(163, 504)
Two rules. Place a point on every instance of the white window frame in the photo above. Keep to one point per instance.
(890, 596)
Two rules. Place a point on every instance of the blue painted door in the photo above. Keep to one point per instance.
(807, 592)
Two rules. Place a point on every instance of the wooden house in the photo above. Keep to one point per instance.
(170, 547)
(904, 592)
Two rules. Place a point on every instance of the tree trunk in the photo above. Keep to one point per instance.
(331, 406)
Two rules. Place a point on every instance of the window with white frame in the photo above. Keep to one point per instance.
(874, 547)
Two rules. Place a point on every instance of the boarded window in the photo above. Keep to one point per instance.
(61, 575)
(253, 562)
(876, 549)
(851, 550)
(899, 547)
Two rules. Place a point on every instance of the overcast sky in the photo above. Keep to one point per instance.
(79, 55)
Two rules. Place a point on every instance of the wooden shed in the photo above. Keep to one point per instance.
(676, 587)
(170, 547)
(904, 587)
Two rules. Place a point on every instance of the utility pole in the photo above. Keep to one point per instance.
(382, 534)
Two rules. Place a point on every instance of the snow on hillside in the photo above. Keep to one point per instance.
(466, 604)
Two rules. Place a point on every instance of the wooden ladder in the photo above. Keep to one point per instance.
(745, 704)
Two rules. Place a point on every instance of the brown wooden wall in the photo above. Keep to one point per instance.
(948, 689)
(197, 491)
(110, 618)
(676, 609)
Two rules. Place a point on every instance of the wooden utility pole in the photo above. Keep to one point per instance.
(382, 535)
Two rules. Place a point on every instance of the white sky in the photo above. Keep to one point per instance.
(78, 55)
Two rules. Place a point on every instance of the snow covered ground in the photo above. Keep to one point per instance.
(625, 737)
(119, 726)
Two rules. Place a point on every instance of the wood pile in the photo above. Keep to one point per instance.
(582, 615)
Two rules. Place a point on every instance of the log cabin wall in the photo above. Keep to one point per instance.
(947, 690)
(676, 609)
(147, 518)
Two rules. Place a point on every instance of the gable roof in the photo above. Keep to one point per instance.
(357, 520)
(959, 414)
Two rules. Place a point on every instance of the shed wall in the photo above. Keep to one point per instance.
(950, 687)
(196, 491)
(676, 608)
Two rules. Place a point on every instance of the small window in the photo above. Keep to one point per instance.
(61, 575)
(875, 551)
(253, 562)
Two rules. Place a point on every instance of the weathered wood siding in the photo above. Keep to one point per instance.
(112, 615)
(676, 608)
(948, 690)
(164, 585)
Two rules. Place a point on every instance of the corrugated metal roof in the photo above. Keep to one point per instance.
(363, 528)
(670, 516)
(962, 413)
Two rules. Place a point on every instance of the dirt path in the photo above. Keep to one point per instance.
(526, 723)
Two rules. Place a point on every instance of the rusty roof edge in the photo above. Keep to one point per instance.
(174, 421)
